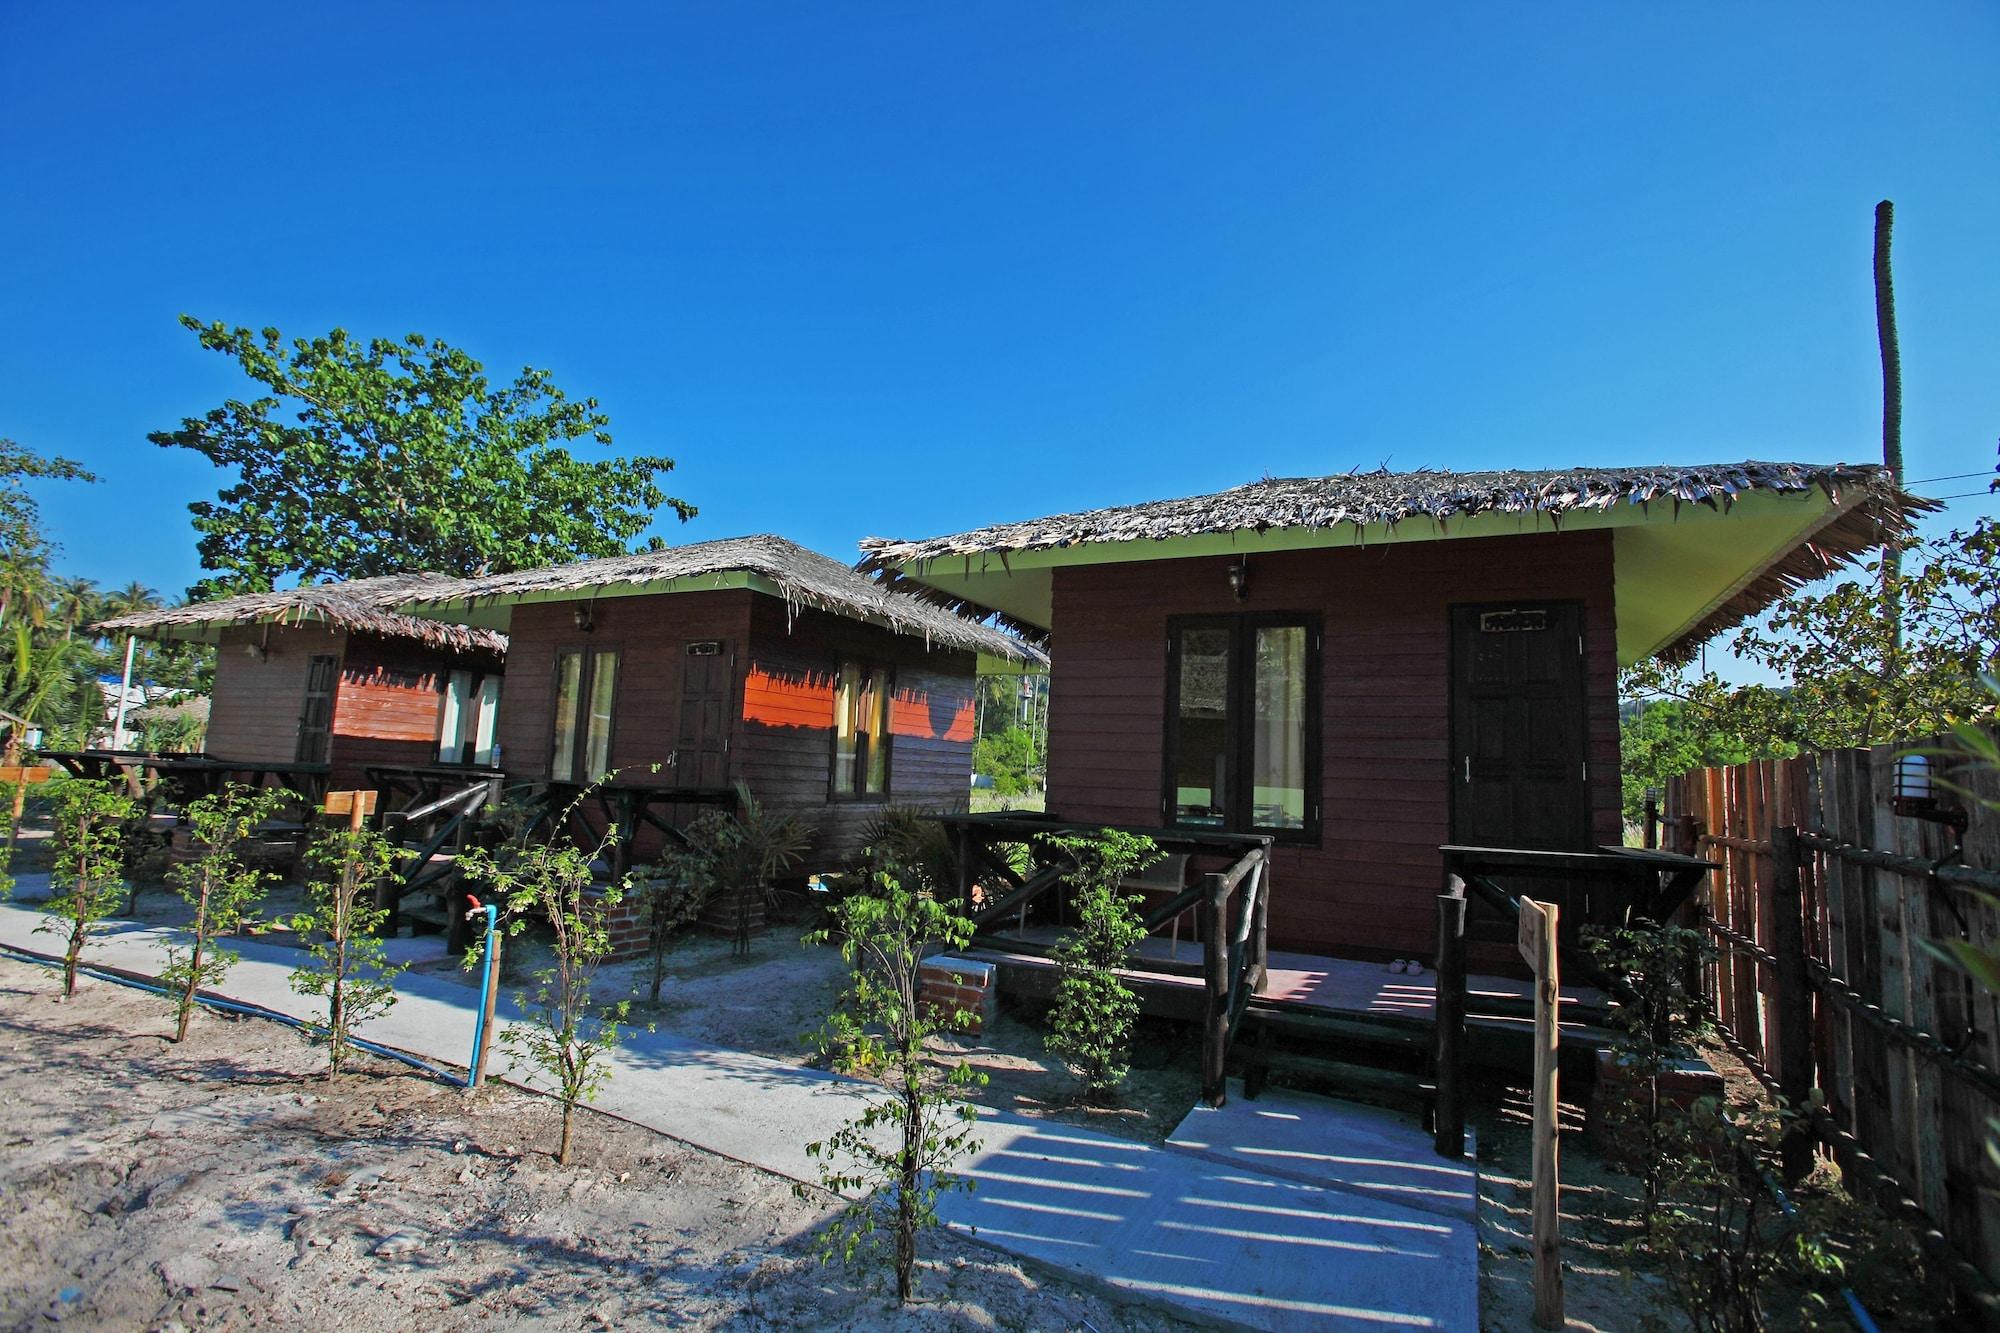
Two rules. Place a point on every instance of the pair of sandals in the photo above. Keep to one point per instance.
(1409, 967)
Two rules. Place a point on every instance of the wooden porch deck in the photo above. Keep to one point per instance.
(1335, 986)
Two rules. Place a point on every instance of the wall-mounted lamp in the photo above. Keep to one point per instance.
(586, 618)
(1916, 795)
(1239, 578)
(257, 650)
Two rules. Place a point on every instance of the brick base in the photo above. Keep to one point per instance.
(721, 916)
(1680, 1087)
(630, 930)
(949, 984)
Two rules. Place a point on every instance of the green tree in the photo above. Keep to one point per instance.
(567, 1036)
(1090, 1024)
(1827, 651)
(346, 965)
(221, 887)
(901, 1147)
(381, 456)
(24, 546)
(90, 830)
(74, 602)
(1664, 738)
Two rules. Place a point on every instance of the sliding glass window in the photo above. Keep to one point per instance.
(861, 731)
(1242, 745)
(586, 689)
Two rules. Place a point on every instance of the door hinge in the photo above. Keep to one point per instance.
(1468, 768)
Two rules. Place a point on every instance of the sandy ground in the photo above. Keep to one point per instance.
(769, 1002)
(228, 1184)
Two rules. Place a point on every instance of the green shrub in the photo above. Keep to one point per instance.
(881, 1027)
(219, 886)
(92, 825)
(1090, 1024)
(346, 965)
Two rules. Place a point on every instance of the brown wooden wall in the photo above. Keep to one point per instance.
(254, 710)
(781, 709)
(391, 702)
(387, 702)
(787, 739)
(650, 634)
(1369, 887)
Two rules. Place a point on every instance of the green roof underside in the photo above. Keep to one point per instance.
(1673, 565)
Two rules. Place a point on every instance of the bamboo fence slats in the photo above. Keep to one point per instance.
(1816, 839)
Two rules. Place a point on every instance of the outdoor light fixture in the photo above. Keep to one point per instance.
(1916, 794)
(585, 618)
(1239, 578)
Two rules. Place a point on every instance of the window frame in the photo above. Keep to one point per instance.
(580, 710)
(866, 669)
(1240, 692)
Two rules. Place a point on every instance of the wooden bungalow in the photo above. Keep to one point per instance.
(329, 681)
(751, 660)
(1365, 668)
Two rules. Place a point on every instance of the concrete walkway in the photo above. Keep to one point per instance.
(1200, 1229)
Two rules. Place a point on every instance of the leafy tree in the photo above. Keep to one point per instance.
(24, 546)
(882, 1027)
(1090, 1024)
(221, 887)
(131, 599)
(567, 1035)
(1010, 758)
(74, 603)
(361, 458)
(1663, 738)
(347, 965)
(90, 834)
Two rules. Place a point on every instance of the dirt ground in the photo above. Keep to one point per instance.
(1597, 1209)
(227, 1184)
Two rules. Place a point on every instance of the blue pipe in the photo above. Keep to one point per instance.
(119, 977)
(472, 1070)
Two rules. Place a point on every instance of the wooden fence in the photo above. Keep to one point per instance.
(1822, 910)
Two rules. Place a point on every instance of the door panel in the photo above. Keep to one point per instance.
(316, 715)
(1517, 712)
(701, 750)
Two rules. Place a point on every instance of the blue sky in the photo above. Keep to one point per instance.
(901, 270)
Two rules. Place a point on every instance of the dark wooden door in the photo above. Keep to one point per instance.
(316, 717)
(1517, 726)
(701, 750)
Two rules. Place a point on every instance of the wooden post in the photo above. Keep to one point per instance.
(1794, 1001)
(20, 779)
(1215, 982)
(1448, 1119)
(1260, 946)
(357, 806)
(961, 840)
(1537, 942)
(1652, 823)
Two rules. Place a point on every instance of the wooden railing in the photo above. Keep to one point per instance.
(1231, 903)
(430, 811)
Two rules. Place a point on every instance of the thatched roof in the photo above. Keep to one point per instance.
(791, 572)
(359, 606)
(1866, 507)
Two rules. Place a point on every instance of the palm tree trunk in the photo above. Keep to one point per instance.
(1892, 424)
